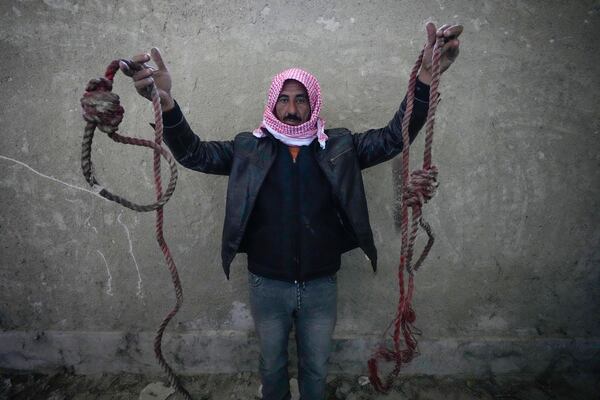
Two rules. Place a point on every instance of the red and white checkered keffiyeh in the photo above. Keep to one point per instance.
(300, 135)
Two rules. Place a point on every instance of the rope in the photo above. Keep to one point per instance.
(101, 109)
(417, 189)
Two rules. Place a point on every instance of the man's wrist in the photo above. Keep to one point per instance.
(424, 76)
(172, 117)
(422, 92)
(168, 105)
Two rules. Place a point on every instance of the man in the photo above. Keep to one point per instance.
(295, 203)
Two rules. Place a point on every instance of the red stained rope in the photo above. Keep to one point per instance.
(417, 189)
(101, 109)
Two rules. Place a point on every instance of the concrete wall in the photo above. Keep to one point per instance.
(512, 283)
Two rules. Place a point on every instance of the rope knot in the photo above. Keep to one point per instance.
(101, 106)
(421, 187)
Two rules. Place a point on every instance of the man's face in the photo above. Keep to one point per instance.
(292, 107)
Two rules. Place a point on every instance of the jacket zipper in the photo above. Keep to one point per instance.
(296, 180)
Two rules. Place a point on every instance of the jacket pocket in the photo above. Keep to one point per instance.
(333, 159)
(254, 280)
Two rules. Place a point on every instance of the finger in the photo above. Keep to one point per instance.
(144, 66)
(141, 58)
(440, 31)
(125, 68)
(143, 83)
(144, 73)
(430, 27)
(453, 32)
(450, 50)
(452, 43)
(157, 58)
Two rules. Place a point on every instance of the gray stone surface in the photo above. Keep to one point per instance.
(156, 391)
(238, 387)
(214, 352)
(511, 284)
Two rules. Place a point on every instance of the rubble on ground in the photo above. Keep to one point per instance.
(64, 385)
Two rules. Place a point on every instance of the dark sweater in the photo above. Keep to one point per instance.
(294, 232)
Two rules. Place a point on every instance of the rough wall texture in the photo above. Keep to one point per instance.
(512, 283)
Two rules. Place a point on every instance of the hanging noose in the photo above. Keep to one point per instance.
(417, 189)
(101, 109)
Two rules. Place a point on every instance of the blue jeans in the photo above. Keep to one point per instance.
(312, 307)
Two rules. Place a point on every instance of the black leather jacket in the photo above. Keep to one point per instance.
(247, 159)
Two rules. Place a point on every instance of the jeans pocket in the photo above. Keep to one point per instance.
(254, 280)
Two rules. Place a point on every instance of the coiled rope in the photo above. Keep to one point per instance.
(417, 189)
(101, 109)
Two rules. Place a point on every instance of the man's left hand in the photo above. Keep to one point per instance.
(448, 34)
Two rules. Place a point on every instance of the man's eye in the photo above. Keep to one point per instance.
(301, 100)
(282, 100)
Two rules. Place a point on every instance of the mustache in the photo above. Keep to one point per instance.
(292, 117)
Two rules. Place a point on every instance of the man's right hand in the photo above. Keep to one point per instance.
(144, 75)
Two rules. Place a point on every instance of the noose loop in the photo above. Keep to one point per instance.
(101, 109)
(417, 188)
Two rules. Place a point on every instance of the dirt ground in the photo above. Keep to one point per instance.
(244, 386)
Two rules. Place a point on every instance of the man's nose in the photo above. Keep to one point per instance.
(292, 107)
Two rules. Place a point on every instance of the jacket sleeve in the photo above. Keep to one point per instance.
(378, 145)
(211, 157)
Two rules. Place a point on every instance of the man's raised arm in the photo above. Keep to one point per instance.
(378, 145)
(214, 157)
